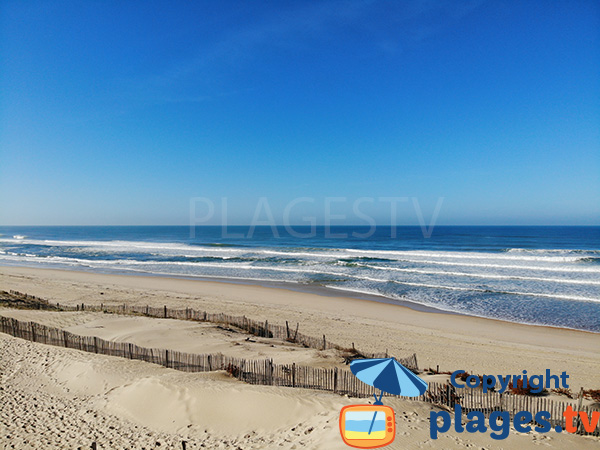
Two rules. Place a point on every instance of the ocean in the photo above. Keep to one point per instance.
(535, 275)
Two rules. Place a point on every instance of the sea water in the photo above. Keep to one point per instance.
(536, 275)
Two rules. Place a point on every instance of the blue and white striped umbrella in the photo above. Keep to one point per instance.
(388, 375)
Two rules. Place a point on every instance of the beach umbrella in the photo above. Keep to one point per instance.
(389, 376)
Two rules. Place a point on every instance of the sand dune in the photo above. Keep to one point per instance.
(61, 398)
(191, 337)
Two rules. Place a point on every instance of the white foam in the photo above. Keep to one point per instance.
(510, 265)
(484, 275)
(124, 246)
(465, 255)
(505, 266)
(466, 259)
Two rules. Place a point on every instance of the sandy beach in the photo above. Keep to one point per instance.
(62, 398)
(448, 340)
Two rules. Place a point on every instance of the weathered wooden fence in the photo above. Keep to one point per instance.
(257, 328)
(265, 372)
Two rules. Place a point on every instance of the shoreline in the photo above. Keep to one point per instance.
(451, 341)
(325, 291)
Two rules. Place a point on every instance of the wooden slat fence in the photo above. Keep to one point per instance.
(265, 372)
(257, 328)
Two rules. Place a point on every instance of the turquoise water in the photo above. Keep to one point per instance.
(538, 275)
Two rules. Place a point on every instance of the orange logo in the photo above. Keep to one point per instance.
(367, 426)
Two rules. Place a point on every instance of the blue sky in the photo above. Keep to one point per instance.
(120, 112)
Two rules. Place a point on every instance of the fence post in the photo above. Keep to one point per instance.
(335, 380)
(580, 400)
(166, 358)
(293, 374)
(287, 329)
(210, 363)
(266, 328)
(32, 331)
(165, 311)
(324, 343)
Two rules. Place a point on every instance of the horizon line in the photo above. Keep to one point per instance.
(308, 226)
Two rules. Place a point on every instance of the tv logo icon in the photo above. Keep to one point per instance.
(373, 426)
(367, 426)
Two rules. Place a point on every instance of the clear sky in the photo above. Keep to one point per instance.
(119, 112)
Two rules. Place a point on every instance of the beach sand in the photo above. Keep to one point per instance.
(61, 398)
